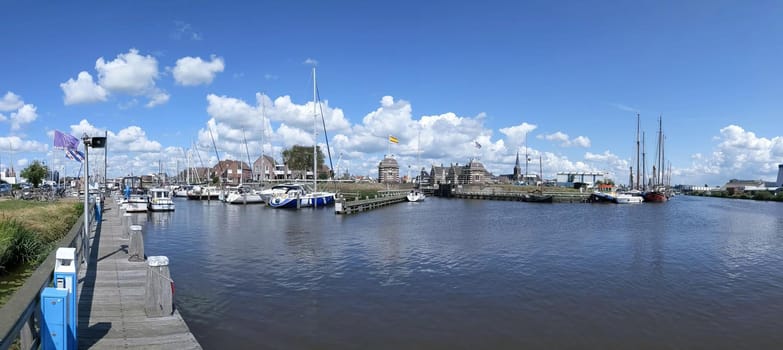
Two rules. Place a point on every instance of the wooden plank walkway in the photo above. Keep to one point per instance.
(111, 298)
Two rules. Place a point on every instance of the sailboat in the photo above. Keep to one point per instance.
(415, 195)
(658, 193)
(299, 197)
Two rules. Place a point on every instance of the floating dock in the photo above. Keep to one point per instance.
(557, 197)
(343, 206)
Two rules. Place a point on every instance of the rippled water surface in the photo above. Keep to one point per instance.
(467, 274)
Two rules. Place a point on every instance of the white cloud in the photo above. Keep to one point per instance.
(565, 141)
(191, 71)
(130, 139)
(17, 144)
(558, 137)
(129, 73)
(25, 115)
(517, 134)
(739, 154)
(581, 141)
(82, 90)
(10, 102)
(311, 61)
(157, 98)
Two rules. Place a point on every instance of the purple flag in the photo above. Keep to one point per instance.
(74, 154)
(65, 141)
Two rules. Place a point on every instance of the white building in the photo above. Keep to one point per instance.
(569, 179)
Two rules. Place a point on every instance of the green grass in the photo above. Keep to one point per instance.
(29, 231)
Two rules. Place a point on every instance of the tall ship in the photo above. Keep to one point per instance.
(658, 193)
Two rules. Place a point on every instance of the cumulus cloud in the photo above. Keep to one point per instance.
(17, 144)
(21, 113)
(157, 98)
(25, 115)
(517, 134)
(82, 90)
(130, 139)
(10, 102)
(739, 154)
(564, 141)
(191, 71)
(310, 61)
(129, 73)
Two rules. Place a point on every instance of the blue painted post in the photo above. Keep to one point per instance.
(54, 327)
(65, 277)
(98, 211)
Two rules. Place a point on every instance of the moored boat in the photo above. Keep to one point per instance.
(204, 193)
(538, 198)
(160, 200)
(656, 196)
(243, 195)
(415, 196)
(625, 198)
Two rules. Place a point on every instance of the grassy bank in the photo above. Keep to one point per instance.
(28, 229)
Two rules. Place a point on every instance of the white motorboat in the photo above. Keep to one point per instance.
(625, 198)
(242, 195)
(160, 200)
(415, 196)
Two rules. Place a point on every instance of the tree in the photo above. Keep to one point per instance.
(301, 158)
(35, 173)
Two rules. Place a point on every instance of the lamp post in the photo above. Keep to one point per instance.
(85, 184)
(94, 142)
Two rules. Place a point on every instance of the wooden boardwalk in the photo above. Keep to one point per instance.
(111, 298)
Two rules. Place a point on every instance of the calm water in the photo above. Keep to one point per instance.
(468, 274)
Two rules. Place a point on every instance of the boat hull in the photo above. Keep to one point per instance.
(161, 207)
(245, 198)
(538, 198)
(415, 196)
(655, 197)
(627, 199)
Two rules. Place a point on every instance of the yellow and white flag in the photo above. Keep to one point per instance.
(393, 139)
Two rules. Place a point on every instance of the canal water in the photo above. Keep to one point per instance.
(701, 273)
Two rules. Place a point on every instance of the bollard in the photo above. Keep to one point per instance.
(126, 223)
(66, 277)
(54, 324)
(136, 246)
(98, 211)
(159, 291)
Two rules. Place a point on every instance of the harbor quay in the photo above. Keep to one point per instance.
(113, 287)
(97, 290)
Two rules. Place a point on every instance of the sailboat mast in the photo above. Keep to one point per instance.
(527, 159)
(315, 139)
(263, 131)
(638, 126)
(643, 186)
(660, 151)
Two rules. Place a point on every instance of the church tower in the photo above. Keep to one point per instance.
(517, 170)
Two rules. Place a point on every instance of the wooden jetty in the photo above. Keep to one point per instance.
(343, 206)
(557, 197)
(112, 298)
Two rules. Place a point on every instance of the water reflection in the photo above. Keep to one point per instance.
(694, 272)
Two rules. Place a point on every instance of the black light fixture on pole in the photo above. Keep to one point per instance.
(94, 142)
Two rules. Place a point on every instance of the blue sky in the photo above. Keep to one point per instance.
(571, 75)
